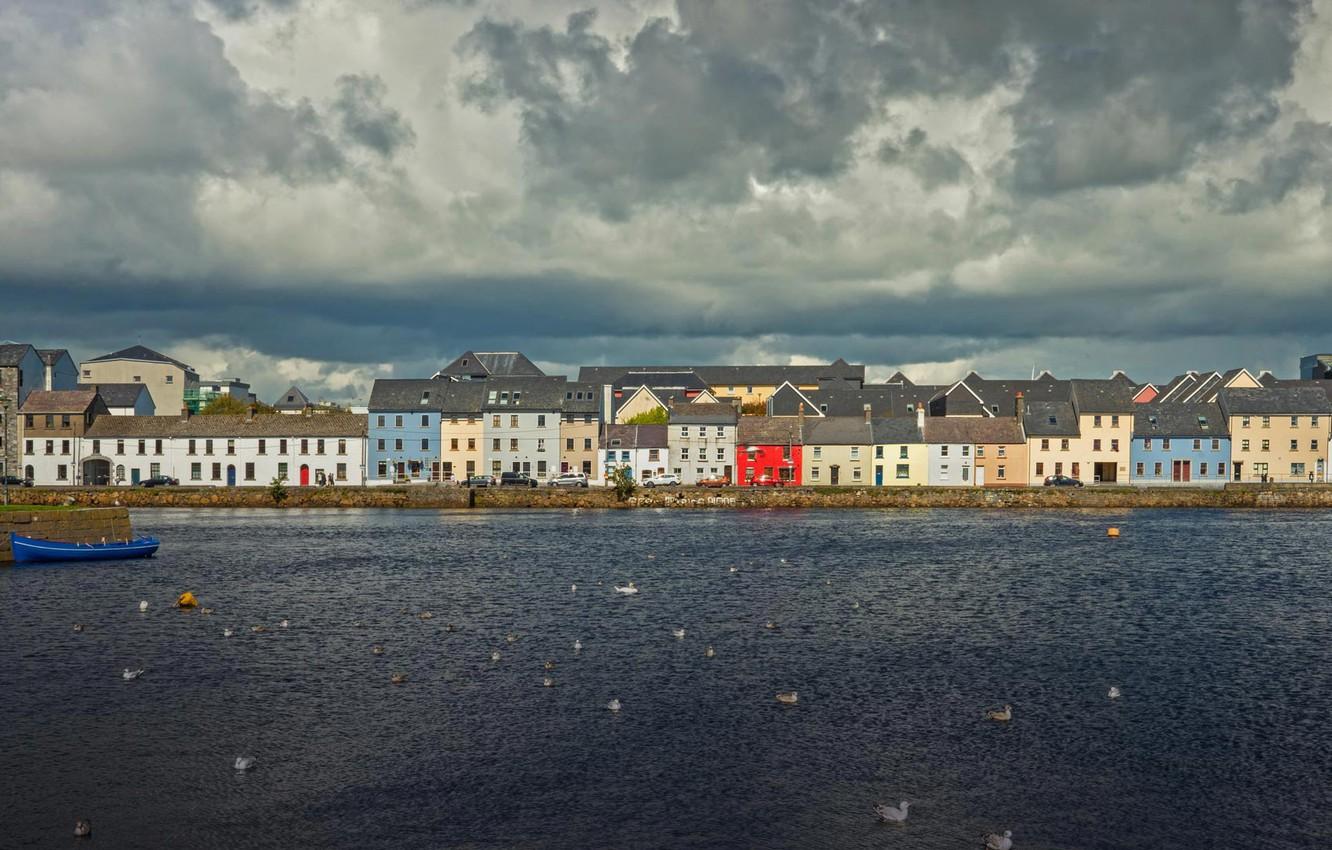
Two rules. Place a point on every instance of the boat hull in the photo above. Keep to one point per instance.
(28, 550)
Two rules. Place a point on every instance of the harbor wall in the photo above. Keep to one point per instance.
(89, 525)
(449, 497)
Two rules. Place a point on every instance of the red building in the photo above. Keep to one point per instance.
(767, 445)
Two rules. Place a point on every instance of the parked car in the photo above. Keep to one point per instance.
(715, 481)
(477, 481)
(516, 479)
(159, 481)
(666, 479)
(15, 481)
(767, 481)
(569, 479)
(1061, 481)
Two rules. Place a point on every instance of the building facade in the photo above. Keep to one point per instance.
(21, 372)
(901, 458)
(580, 430)
(1277, 434)
(168, 380)
(642, 449)
(1184, 444)
(772, 447)
(837, 451)
(60, 372)
(701, 439)
(54, 423)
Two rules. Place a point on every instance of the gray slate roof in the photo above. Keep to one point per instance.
(51, 356)
(897, 429)
(659, 380)
(1179, 420)
(292, 399)
(581, 397)
(721, 377)
(533, 393)
(884, 401)
(768, 431)
(117, 395)
(140, 352)
(1275, 401)
(401, 394)
(634, 436)
(12, 353)
(1051, 419)
(704, 413)
(1103, 396)
(840, 431)
(491, 364)
(974, 429)
(263, 425)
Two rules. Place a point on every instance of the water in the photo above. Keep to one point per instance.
(1215, 625)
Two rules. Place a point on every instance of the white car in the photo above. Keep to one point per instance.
(569, 479)
(666, 479)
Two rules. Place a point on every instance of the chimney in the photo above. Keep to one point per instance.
(801, 414)
(249, 414)
(184, 413)
(1019, 407)
(920, 417)
(308, 411)
(868, 414)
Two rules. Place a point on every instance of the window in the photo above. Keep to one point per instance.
(170, 379)
(217, 472)
(855, 452)
(1221, 470)
(513, 444)
(1096, 445)
(208, 447)
(1045, 445)
(64, 447)
(1202, 468)
(249, 472)
(154, 470)
(495, 421)
(541, 420)
(196, 472)
(855, 474)
(587, 444)
(1040, 469)
(1216, 444)
(453, 444)
(980, 451)
(397, 421)
(541, 445)
(1297, 470)
(282, 447)
(425, 445)
(943, 451)
(1267, 422)
(541, 469)
(818, 452)
(138, 379)
(425, 417)
(1075, 469)
(231, 447)
(901, 452)
(397, 445)
(495, 444)
(814, 473)
(471, 444)
(1114, 421)
(379, 420)
(1059, 467)
(721, 431)
(1197, 444)
(1244, 421)
(97, 447)
(966, 473)
(1114, 445)
(1313, 445)
(305, 445)
(87, 373)
(1294, 421)
(1294, 445)
(1000, 474)
(1063, 445)
(1096, 422)
(1244, 445)
(1313, 420)
(684, 453)
(282, 470)
(62, 472)
(513, 421)
(1156, 469)
(903, 470)
(1147, 443)
(64, 420)
(721, 453)
(120, 472)
(1165, 444)
(1138, 473)
(1267, 445)
(381, 444)
(654, 455)
(50, 447)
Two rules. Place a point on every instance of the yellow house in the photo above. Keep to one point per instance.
(837, 451)
(1088, 437)
(580, 429)
(645, 399)
(1277, 434)
(462, 447)
(901, 457)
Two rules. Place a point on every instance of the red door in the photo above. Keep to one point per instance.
(1188, 467)
(305, 475)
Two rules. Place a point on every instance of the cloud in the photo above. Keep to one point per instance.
(365, 118)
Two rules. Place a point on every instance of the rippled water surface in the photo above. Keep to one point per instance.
(898, 629)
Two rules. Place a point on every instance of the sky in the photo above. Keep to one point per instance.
(329, 191)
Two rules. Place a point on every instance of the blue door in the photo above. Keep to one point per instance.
(231, 476)
(878, 475)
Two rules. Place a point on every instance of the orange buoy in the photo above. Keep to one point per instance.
(186, 600)
(1112, 532)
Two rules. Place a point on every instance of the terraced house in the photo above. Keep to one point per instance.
(521, 420)
(462, 433)
(1177, 444)
(976, 451)
(838, 451)
(580, 428)
(1277, 434)
(404, 430)
(701, 439)
(54, 423)
(901, 458)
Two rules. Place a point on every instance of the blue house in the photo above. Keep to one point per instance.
(1179, 444)
(404, 433)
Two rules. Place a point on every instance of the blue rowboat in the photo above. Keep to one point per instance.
(27, 550)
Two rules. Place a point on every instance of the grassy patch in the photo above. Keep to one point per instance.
(37, 507)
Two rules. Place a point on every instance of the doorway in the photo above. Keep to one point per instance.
(305, 475)
(1106, 473)
(1181, 471)
(231, 476)
(834, 475)
(878, 475)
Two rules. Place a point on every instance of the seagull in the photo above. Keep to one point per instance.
(425, 615)
(573, 588)
(244, 762)
(1115, 693)
(283, 624)
(205, 611)
(495, 656)
(735, 569)
(258, 629)
(398, 678)
(130, 675)
(788, 697)
(549, 665)
(377, 649)
(613, 705)
(892, 814)
(709, 652)
(228, 632)
(548, 682)
(783, 560)
(449, 627)
(994, 841)
(511, 637)
(143, 606)
(82, 828)
(679, 634)
(855, 605)
(770, 625)
(627, 590)
(1002, 715)
(78, 627)
(578, 645)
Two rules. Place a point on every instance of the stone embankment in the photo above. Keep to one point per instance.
(450, 497)
(71, 526)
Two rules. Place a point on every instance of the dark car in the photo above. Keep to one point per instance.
(159, 481)
(15, 481)
(516, 479)
(477, 481)
(1062, 481)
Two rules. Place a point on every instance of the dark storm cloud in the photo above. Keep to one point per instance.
(1304, 160)
(365, 118)
(1117, 93)
(240, 9)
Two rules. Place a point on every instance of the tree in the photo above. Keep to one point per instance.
(623, 480)
(227, 405)
(754, 408)
(277, 489)
(655, 416)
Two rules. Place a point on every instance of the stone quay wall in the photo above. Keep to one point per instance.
(90, 525)
(452, 497)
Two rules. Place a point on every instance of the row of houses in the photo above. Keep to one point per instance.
(486, 413)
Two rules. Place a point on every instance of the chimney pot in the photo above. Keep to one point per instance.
(920, 417)
(1019, 407)
(868, 413)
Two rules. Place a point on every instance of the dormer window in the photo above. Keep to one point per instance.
(464, 361)
(1053, 421)
(569, 396)
(1152, 419)
(1202, 422)
(425, 397)
(516, 396)
(615, 442)
(492, 396)
(504, 397)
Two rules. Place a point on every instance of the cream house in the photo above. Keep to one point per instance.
(901, 456)
(170, 382)
(838, 451)
(1277, 434)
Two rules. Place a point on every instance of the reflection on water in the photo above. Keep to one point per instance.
(897, 629)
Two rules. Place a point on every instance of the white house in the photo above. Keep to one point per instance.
(221, 451)
(644, 449)
(701, 438)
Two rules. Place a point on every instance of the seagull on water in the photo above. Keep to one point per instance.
(613, 705)
(709, 652)
(573, 588)
(143, 606)
(549, 665)
(855, 605)
(892, 814)
(735, 569)
(548, 682)
(130, 675)
(679, 634)
(228, 632)
(377, 649)
(82, 828)
(578, 645)
(788, 697)
(1115, 693)
(283, 624)
(425, 615)
(398, 678)
(1002, 715)
(244, 762)
(495, 656)
(627, 590)
(994, 841)
(78, 627)
(511, 637)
